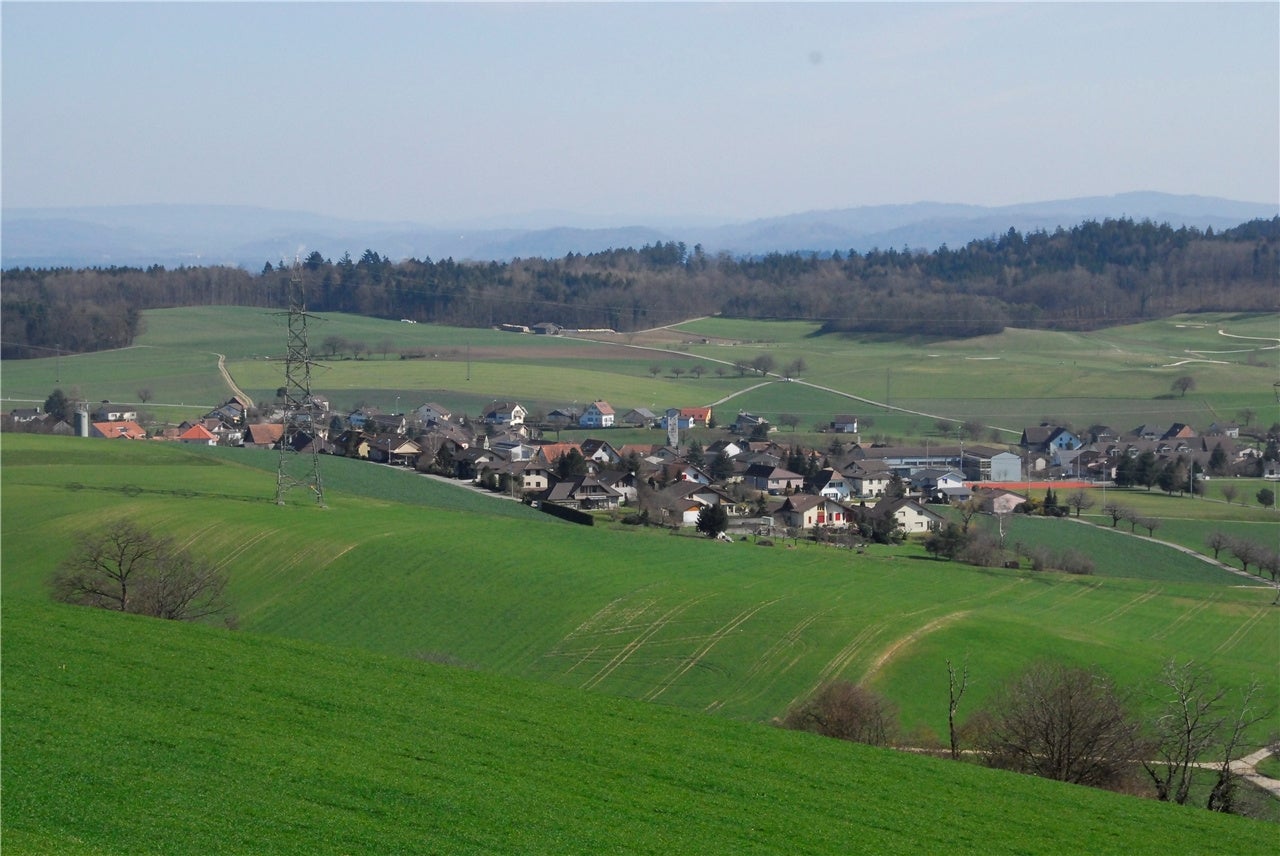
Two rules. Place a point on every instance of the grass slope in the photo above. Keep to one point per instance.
(128, 735)
(731, 628)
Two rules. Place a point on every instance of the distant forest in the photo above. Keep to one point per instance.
(1090, 276)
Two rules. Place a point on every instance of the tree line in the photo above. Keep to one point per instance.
(1093, 275)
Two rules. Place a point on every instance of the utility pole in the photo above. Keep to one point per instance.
(296, 469)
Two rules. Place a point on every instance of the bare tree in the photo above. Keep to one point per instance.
(1183, 385)
(655, 370)
(144, 394)
(1216, 541)
(698, 370)
(1246, 552)
(955, 692)
(1193, 723)
(1080, 500)
(130, 569)
(676, 371)
(1116, 512)
(789, 419)
(846, 711)
(1230, 492)
(967, 510)
(1063, 723)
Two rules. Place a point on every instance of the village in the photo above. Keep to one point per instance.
(763, 484)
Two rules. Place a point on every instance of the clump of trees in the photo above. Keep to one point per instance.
(846, 711)
(1075, 724)
(130, 569)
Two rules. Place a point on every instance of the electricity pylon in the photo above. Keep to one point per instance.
(298, 468)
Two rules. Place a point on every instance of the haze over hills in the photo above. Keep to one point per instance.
(171, 235)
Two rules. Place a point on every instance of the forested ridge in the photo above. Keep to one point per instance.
(1093, 275)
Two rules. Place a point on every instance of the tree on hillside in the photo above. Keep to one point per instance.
(1194, 722)
(1183, 385)
(763, 363)
(1229, 493)
(1266, 497)
(130, 569)
(655, 370)
(845, 711)
(1060, 722)
(790, 420)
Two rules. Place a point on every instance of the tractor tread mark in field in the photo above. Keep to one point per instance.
(709, 643)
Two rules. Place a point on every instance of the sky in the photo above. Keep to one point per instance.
(443, 113)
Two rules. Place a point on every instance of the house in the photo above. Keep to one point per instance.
(108, 412)
(1225, 429)
(1047, 438)
(263, 435)
(688, 417)
(696, 417)
(1006, 467)
(868, 480)
(996, 501)
(640, 417)
(913, 517)
(198, 435)
(682, 502)
(22, 415)
(831, 484)
(805, 510)
(1178, 431)
(599, 414)
(749, 424)
(583, 492)
(600, 450)
(504, 413)
(393, 449)
(117, 429)
(431, 413)
(771, 479)
(386, 423)
(931, 479)
(843, 424)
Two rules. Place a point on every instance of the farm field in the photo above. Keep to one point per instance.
(1119, 376)
(225, 742)
(404, 566)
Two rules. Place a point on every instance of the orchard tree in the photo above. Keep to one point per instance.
(1183, 385)
(1080, 500)
(1266, 497)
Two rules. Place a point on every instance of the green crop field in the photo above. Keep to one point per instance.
(408, 569)
(128, 735)
(1120, 376)
(402, 565)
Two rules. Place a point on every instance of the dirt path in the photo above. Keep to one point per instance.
(226, 376)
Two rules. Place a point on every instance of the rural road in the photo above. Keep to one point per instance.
(226, 376)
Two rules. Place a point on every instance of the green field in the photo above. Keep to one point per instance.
(132, 736)
(404, 566)
(1119, 376)
(321, 724)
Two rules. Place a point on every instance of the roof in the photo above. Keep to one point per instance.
(602, 406)
(127, 430)
(198, 433)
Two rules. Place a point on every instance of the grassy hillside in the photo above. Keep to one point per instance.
(1120, 376)
(129, 735)
(401, 565)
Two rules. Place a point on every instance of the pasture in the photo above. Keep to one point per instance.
(1121, 376)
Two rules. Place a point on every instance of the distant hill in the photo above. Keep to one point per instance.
(170, 235)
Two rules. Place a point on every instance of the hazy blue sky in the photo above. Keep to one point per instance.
(443, 112)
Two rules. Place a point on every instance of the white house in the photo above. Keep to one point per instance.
(599, 414)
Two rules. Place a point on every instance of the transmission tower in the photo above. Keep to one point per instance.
(298, 468)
